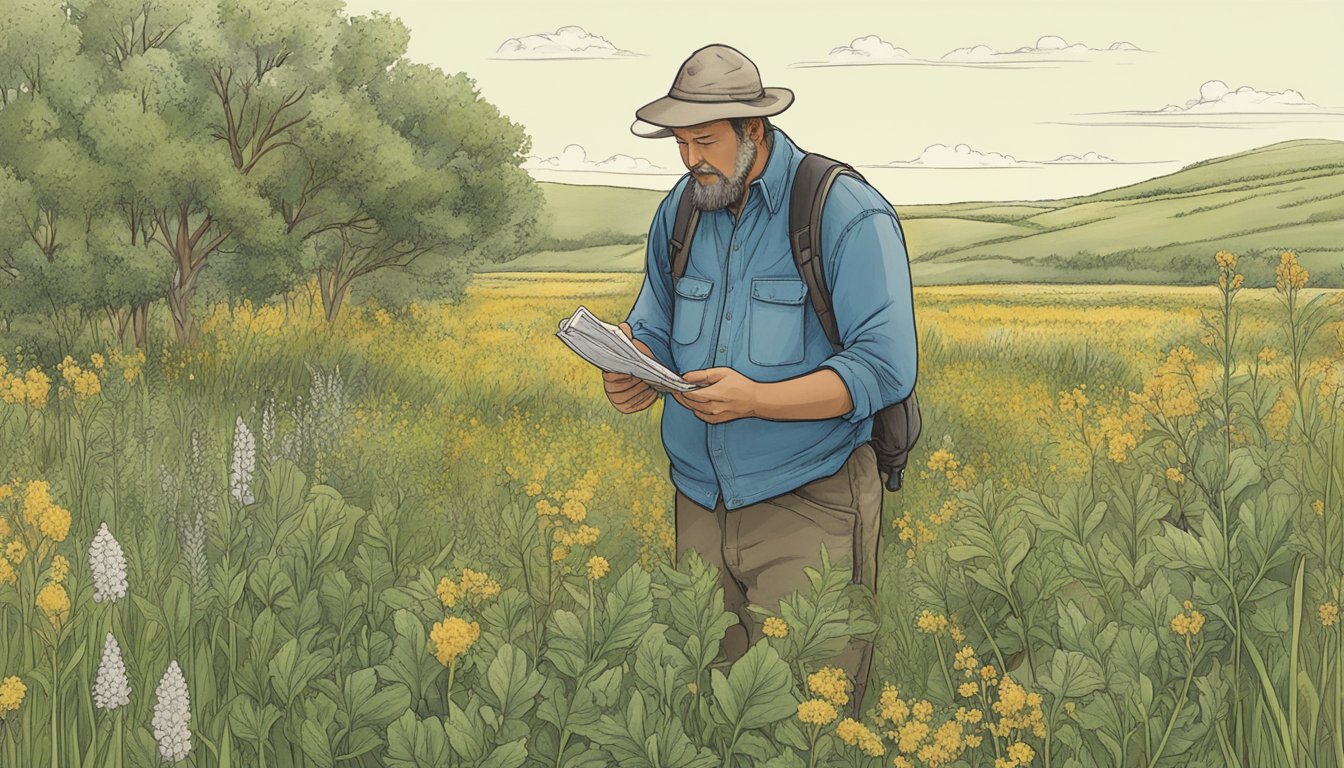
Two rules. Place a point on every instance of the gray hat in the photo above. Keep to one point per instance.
(717, 82)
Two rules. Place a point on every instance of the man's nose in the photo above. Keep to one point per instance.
(693, 156)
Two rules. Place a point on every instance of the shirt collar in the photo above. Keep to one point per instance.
(774, 177)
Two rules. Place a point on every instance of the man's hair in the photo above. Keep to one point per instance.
(740, 127)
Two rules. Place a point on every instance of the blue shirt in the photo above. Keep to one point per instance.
(742, 304)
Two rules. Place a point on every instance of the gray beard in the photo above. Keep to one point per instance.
(725, 191)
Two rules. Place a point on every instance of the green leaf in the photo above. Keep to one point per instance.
(510, 755)
(757, 690)
(415, 743)
(629, 612)
(513, 684)
(317, 745)
(567, 646)
(1073, 675)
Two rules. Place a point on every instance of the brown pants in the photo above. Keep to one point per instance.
(761, 549)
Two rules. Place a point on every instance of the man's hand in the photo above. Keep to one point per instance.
(727, 395)
(629, 394)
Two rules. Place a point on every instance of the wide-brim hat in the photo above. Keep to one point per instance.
(717, 82)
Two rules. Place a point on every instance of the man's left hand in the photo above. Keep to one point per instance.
(727, 395)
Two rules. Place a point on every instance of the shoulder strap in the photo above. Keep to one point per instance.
(812, 182)
(683, 229)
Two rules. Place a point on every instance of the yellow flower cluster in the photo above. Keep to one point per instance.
(452, 637)
(1187, 625)
(30, 390)
(12, 691)
(774, 627)
(816, 712)
(1329, 613)
(84, 383)
(130, 363)
(1228, 280)
(1019, 753)
(1017, 710)
(475, 584)
(830, 684)
(55, 603)
(932, 623)
(1318, 506)
(909, 724)
(1289, 275)
(584, 536)
(1175, 475)
(1173, 391)
(597, 567)
(856, 734)
(40, 512)
(60, 567)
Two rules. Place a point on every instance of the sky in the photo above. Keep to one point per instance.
(933, 101)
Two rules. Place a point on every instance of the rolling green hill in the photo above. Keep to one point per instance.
(1287, 196)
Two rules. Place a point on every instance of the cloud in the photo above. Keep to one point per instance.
(1215, 96)
(868, 49)
(1049, 47)
(570, 42)
(872, 49)
(964, 156)
(1087, 157)
(575, 158)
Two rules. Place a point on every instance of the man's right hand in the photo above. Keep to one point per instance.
(629, 394)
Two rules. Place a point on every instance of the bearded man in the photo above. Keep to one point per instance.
(771, 458)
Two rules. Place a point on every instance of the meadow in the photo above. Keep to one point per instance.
(425, 538)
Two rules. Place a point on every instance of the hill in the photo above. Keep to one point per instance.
(1286, 196)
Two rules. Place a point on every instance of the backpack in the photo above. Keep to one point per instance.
(896, 427)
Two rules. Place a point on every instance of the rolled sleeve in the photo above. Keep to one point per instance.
(873, 303)
(650, 318)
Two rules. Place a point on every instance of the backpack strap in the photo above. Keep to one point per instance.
(812, 182)
(683, 229)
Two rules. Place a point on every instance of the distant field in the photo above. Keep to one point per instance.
(1287, 196)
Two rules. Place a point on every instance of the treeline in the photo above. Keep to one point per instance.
(161, 150)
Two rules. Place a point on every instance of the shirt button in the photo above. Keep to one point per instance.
(721, 349)
(735, 501)
(729, 316)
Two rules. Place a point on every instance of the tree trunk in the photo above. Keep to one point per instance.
(334, 287)
(180, 293)
(140, 321)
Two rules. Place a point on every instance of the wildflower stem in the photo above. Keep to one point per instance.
(947, 677)
(1180, 703)
(55, 692)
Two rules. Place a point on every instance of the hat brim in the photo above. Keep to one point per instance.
(657, 118)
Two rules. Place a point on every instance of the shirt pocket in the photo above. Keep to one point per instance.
(776, 321)
(689, 308)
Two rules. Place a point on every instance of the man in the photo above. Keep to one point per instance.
(770, 458)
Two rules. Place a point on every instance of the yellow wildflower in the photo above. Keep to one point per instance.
(597, 567)
(903, 762)
(1226, 261)
(448, 592)
(923, 710)
(7, 575)
(831, 684)
(479, 583)
(931, 623)
(1329, 613)
(969, 689)
(892, 707)
(574, 510)
(97, 360)
(452, 637)
(1021, 752)
(55, 603)
(533, 489)
(558, 554)
(988, 673)
(775, 627)
(1175, 475)
(1267, 355)
(59, 568)
(15, 551)
(587, 535)
(1318, 506)
(816, 712)
(12, 691)
(856, 734)
(911, 734)
(1289, 275)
